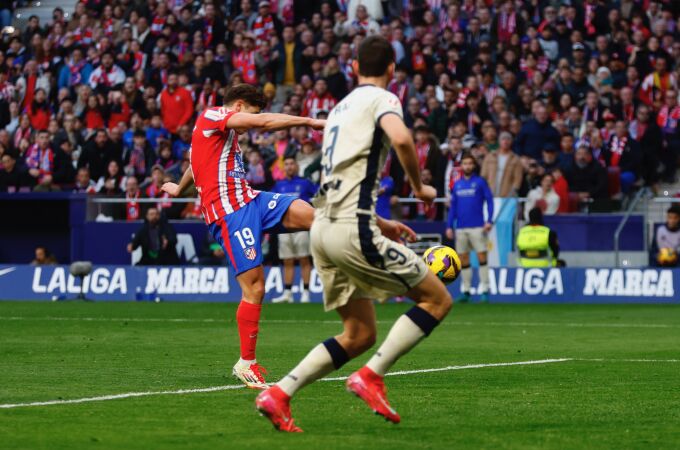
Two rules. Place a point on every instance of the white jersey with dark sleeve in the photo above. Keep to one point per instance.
(354, 152)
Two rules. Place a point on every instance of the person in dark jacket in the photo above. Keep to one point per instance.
(587, 177)
(647, 134)
(13, 177)
(158, 241)
(97, 154)
(288, 57)
(624, 152)
(535, 135)
(64, 171)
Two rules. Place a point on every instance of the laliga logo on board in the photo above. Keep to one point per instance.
(189, 280)
(629, 283)
(525, 282)
(100, 281)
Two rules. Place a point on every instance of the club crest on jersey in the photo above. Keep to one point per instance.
(251, 253)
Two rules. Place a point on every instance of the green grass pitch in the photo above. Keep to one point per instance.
(619, 389)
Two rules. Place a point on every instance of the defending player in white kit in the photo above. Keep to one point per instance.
(351, 245)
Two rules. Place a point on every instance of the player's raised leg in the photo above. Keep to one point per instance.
(359, 333)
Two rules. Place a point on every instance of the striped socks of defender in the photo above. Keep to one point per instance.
(322, 360)
(407, 331)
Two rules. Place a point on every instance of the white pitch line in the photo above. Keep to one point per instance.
(629, 360)
(316, 322)
(468, 366)
(397, 373)
(239, 386)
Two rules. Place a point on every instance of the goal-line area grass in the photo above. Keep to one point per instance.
(144, 375)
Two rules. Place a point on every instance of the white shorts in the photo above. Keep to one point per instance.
(294, 245)
(468, 239)
(359, 262)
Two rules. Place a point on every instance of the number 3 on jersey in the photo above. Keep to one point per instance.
(328, 152)
(245, 237)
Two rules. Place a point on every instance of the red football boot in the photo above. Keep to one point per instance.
(369, 386)
(274, 404)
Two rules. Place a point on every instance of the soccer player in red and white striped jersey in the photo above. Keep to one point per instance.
(236, 214)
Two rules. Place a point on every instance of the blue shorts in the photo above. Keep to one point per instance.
(240, 233)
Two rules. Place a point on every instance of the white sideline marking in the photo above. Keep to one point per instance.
(397, 373)
(296, 321)
(239, 386)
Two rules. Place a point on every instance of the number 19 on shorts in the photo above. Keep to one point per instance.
(245, 237)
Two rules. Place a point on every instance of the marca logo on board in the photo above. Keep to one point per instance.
(629, 283)
(60, 281)
(187, 280)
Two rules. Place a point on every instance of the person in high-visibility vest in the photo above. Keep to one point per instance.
(536, 243)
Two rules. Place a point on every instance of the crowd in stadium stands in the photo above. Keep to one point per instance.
(564, 102)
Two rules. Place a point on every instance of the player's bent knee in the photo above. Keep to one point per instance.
(254, 292)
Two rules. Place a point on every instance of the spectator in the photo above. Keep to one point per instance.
(647, 134)
(468, 197)
(543, 197)
(84, 184)
(668, 120)
(157, 239)
(64, 165)
(176, 105)
(156, 132)
(39, 111)
(112, 182)
(97, 153)
(40, 162)
(258, 175)
(536, 133)
(624, 153)
(13, 176)
(43, 257)
(294, 246)
(502, 170)
(587, 177)
(107, 75)
(320, 100)
(76, 70)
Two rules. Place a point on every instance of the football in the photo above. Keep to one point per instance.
(444, 262)
(667, 257)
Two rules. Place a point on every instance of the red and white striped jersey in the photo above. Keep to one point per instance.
(217, 166)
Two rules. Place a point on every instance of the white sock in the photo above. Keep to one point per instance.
(315, 365)
(466, 273)
(483, 278)
(403, 336)
(247, 362)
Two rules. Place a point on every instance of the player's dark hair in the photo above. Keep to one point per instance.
(675, 209)
(468, 155)
(249, 94)
(375, 56)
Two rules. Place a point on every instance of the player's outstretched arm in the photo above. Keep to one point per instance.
(175, 189)
(272, 121)
(401, 140)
